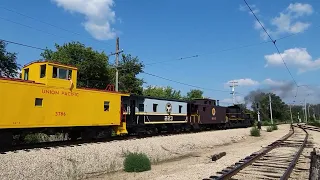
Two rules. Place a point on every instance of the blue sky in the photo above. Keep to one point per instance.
(166, 30)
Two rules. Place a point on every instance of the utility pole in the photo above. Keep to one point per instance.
(291, 115)
(232, 91)
(259, 123)
(309, 111)
(299, 118)
(117, 63)
(270, 108)
(305, 110)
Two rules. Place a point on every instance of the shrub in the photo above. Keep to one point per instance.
(314, 123)
(265, 123)
(269, 129)
(274, 127)
(136, 162)
(255, 131)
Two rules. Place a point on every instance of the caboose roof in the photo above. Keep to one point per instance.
(51, 62)
(157, 98)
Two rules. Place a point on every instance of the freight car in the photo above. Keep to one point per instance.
(48, 100)
(152, 115)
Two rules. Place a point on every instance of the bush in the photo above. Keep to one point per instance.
(136, 162)
(274, 127)
(269, 129)
(314, 123)
(265, 123)
(255, 131)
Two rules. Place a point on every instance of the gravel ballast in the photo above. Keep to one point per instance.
(90, 160)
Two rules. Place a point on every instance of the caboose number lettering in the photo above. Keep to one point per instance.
(168, 118)
(60, 113)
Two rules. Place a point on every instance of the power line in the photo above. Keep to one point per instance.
(218, 51)
(184, 83)
(20, 44)
(222, 50)
(14, 22)
(44, 22)
(127, 69)
(273, 41)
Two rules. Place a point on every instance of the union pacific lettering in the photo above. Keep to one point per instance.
(57, 92)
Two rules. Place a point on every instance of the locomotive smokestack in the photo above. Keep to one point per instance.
(217, 102)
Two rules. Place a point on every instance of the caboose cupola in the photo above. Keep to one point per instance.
(50, 74)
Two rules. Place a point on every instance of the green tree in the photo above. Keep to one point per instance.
(129, 68)
(280, 111)
(162, 92)
(8, 62)
(94, 70)
(194, 94)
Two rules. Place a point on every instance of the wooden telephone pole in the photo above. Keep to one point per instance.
(117, 63)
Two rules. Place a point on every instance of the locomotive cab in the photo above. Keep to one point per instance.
(50, 74)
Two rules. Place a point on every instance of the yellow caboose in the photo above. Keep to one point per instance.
(47, 99)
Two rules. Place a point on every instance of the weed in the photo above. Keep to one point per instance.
(269, 129)
(136, 162)
(255, 131)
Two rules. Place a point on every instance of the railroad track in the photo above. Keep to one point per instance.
(276, 161)
(309, 127)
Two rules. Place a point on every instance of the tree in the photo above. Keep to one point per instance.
(8, 62)
(194, 94)
(93, 67)
(162, 92)
(280, 110)
(129, 68)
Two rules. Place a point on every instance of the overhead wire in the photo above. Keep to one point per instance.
(274, 43)
(188, 57)
(52, 25)
(21, 44)
(25, 45)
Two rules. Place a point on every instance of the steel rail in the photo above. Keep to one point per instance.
(249, 160)
(290, 168)
(311, 128)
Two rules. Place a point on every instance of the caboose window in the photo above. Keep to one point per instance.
(204, 108)
(38, 102)
(26, 74)
(141, 107)
(61, 73)
(155, 107)
(180, 108)
(54, 72)
(43, 71)
(106, 106)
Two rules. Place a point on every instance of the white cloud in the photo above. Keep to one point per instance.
(300, 9)
(243, 82)
(98, 14)
(271, 82)
(286, 22)
(298, 57)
